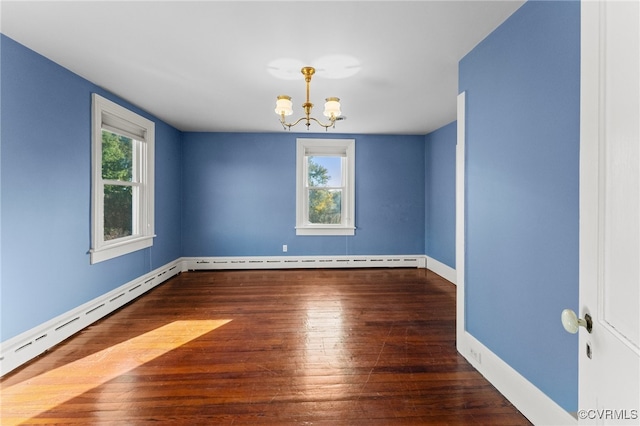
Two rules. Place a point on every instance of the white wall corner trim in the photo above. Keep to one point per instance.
(445, 271)
(460, 216)
(526, 397)
(24, 347)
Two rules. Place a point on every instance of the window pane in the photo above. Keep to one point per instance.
(117, 157)
(118, 211)
(325, 206)
(324, 171)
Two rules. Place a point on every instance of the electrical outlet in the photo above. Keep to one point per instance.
(475, 355)
(284, 248)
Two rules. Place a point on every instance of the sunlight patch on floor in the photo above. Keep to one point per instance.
(37, 395)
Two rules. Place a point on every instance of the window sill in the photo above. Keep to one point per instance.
(325, 230)
(112, 250)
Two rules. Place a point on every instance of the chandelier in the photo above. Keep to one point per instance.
(331, 107)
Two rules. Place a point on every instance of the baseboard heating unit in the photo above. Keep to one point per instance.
(292, 262)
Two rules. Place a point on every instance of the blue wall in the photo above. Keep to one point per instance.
(46, 194)
(440, 151)
(239, 196)
(523, 105)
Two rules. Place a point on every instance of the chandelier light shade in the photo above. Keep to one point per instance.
(332, 107)
(284, 107)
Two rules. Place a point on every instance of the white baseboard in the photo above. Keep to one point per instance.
(24, 347)
(445, 271)
(292, 262)
(531, 401)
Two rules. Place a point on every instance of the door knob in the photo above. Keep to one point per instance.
(571, 322)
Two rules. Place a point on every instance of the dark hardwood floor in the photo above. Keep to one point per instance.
(327, 347)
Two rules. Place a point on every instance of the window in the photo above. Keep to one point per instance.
(122, 187)
(325, 200)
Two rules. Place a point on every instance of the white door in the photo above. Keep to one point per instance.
(609, 359)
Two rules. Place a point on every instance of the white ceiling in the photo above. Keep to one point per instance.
(203, 66)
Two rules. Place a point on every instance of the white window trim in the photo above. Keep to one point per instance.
(336, 147)
(131, 122)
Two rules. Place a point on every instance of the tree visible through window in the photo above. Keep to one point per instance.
(117, 174)
(325, 190)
